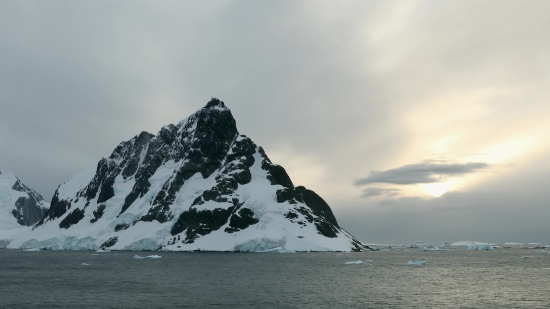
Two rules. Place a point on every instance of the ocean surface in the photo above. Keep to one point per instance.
(456, 279)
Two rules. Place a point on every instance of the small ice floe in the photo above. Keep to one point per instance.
(543, 251)
(433, 248)
(385, 250)
(527, 257)
(354, 262)
(32, 250)
(147, 257)
(417, 263)
(339, 254)
(368, 260)
(84, 264)
(102, 251)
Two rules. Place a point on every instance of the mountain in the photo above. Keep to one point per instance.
(19, 206)
(197, 185)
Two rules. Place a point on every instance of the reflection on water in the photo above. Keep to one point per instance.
(456, 279)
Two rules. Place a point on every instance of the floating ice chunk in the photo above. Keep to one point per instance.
(32, 250)
(433, 248)
(147, 257)
(527, 257)
(103, 251)
(480, 247)
(417, 263)
(385, 250)
(543, 251)
(95, 254)
(354, 262)
(84, 264)
(368, 260)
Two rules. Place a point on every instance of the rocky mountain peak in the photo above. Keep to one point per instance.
(198, 184)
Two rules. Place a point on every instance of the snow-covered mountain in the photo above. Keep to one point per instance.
(19, 206)
(197, 185)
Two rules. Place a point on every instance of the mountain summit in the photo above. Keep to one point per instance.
(197, 185)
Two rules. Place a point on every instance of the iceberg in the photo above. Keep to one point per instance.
(354, 262)
(474, 245)
(103, 251)
(433, 248)
(417, 263)
(84, 264)
(261, 245)
(32, 250)
(480, 247)
(278, 250)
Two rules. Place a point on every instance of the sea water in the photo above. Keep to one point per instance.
(454, 279)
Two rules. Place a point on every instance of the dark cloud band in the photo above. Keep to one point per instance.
(369, 192)
(426, 172)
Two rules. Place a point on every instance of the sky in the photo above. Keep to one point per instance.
(414, 120)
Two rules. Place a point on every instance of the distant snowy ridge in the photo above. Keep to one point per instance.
(197, 185)
(20, 207)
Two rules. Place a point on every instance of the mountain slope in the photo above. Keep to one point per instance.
(19, 206)
(197, 185)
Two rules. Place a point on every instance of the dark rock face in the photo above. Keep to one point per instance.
(27, 210)
(73, 218)
(109, 243)
(98, 213)
(324, 219)
(122, 226)
(241, 220)
(196, 223)
(57, 209)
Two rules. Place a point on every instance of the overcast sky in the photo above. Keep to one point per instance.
(414, 120)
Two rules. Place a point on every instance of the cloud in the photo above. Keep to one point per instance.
(426, 172)
(369, 192)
